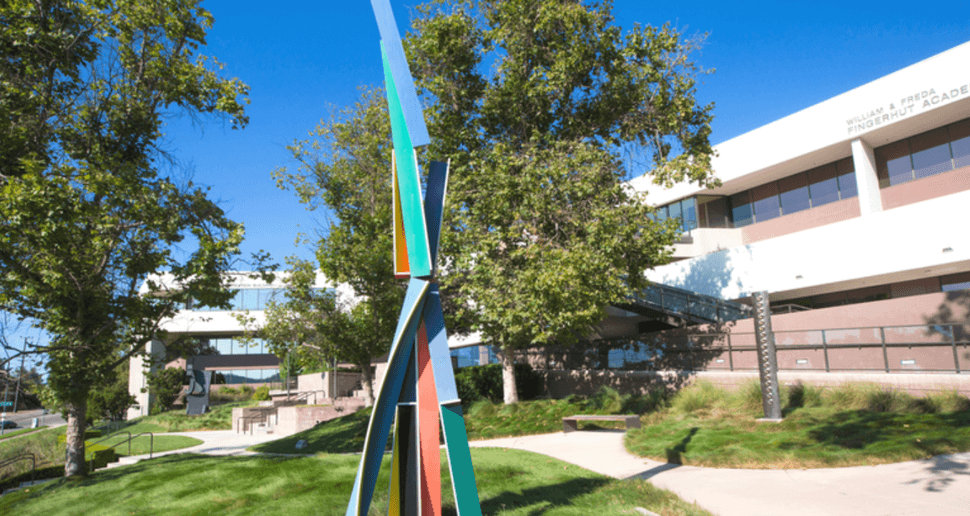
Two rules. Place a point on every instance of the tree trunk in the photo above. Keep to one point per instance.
(76, 425)
(367, 383)
(510, 392)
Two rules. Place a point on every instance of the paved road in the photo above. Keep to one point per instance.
(937, 486)
(24, 418)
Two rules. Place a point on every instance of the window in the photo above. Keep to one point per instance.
(924, 155)
(931, 153)
(960, 143)
(741, 210)
(955, 282)
(848, 187)
(685, 210)
(793, 192)
(765, 201)
(823, 185)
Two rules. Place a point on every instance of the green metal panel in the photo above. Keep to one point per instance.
(460, 461)
(409, 183)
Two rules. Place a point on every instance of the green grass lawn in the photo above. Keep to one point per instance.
(142, 445)
(484, 420)
(219, 417)
(847, 426)
(13, 433)
(510, 482)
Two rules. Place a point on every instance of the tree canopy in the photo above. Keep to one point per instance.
(345, 169)
(88, 213)
(543, 107)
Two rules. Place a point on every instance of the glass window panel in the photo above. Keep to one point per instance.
(239, 347)
(741, 212)
(673, 210)
(848, 187)
(823, 185)
(931, 153)
(793, 192)
(236, 301)
(689, 210)
(960, 143)
(224, 346)
(893, 164)
(765, 201)
(248, 299)
(717, 212)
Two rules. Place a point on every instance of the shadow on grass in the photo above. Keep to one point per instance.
(551, 496)
(859, 429)
(675, 454)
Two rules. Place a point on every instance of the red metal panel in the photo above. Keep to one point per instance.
(429, 430)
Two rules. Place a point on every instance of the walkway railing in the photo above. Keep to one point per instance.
(938, 348)
(690, 305)
(22, 457)
(151, 447)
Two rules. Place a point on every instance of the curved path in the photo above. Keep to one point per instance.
(937, 486)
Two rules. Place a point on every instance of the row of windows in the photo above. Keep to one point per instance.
(248, 299)
(924, 155)
(471, 356)
(235, 346)
(946, 283)
(817, 187)
(244, 376)
(802, 191)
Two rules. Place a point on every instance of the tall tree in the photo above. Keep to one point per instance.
(542, 107)
(87, 216)
(345, 170)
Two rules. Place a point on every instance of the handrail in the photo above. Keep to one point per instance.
(691, 304)
(151, 444)
(249, 418)
(23, 456)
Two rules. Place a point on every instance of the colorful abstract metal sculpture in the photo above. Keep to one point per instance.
(418, 394)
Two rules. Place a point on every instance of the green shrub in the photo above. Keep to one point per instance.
(653, 401)
(475, 383)
(261, 393)
(801, 395)
(701, 395)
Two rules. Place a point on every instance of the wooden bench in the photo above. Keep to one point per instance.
(570, 423)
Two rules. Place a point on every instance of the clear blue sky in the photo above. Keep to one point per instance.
(301, 57)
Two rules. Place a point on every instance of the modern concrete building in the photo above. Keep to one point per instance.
(855, 199)
(851, 214)
(235, 362)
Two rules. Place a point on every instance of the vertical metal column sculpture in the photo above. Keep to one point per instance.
(767, 357)
(418, 394)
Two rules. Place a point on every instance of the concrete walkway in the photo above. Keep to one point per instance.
(214, 442)
(937, 486)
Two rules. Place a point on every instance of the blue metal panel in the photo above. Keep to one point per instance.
(386, 402)
(409, 185)
(394, 49)
(434, 205)
(444, 375)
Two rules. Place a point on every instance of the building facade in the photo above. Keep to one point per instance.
(235, 362)
(859, 198)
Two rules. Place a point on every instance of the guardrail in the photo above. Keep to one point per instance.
(243, 426)
(18, 458)
(151, 446)
(940, 348)
(691, 305)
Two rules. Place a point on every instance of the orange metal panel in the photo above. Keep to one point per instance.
(402, 269)
(429, 430)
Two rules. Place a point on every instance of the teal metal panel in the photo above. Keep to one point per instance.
(384, 406)
(460, 461)
(444, 374)
(409, 184)
(434, 205)
(398, 64)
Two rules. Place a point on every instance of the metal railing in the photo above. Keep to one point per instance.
(242, 426)
(18, 458)
(891, 349)
(691, 305)
(151, 446)
(788, 308)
